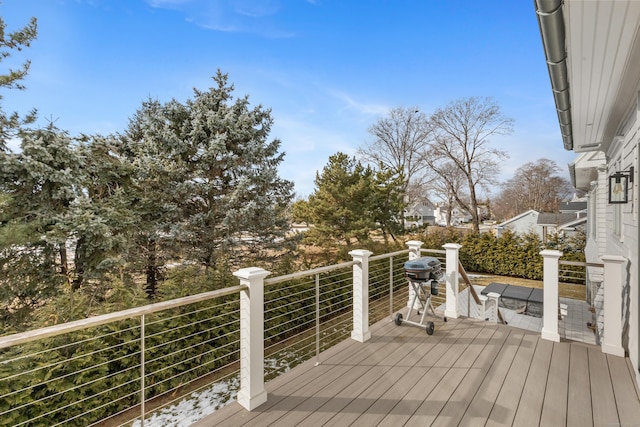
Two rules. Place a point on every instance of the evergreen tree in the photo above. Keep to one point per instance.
(38, 185)
(387, 202)
(210, 159)
(153, 149)
(103, 214)
(9, 44)
(350, 202)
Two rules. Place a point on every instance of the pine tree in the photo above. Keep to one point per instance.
(350, 202)
(103, 214)
(216, 172)
(11, 43)
(38, 184)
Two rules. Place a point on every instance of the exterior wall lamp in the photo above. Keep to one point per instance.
(619, 186)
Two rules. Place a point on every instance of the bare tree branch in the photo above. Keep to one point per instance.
(399, 140)
(462, 132)
(535, 185)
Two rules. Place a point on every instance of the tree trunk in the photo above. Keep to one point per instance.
(152, 270)
(79, 263)
(64, 263)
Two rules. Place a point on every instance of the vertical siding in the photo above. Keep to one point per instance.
(634, 237)
(625, 149)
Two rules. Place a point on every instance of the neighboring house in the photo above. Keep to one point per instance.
(564, 224)
(577, 206)
(568, 229)
(484, 212)
(419, 214)
(524, 223)
(458, 216)
(545, 225)
(592, 50)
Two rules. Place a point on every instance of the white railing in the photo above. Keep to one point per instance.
(613, 277)
(129, 366)
(125, 367)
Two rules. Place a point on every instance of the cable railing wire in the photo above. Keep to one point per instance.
(321, 303)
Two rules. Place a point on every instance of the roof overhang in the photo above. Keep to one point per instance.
(593, 57)
(584, 169)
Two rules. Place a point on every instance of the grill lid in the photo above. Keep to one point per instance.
(426, 263)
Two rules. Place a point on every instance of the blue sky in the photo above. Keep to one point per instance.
(328, 69)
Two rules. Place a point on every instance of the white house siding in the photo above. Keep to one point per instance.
(622, 154)
(522, 225)
(599, 44)
(631, 295)
(601, 212)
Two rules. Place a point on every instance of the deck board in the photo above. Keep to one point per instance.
(533, 392)
(579, 392)
(490, 343)
(469, 372)
(485, 400)
(625, 391)
(511, 391)
(554, 407)
(605, 411)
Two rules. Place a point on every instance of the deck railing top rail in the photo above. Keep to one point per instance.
(306, 273)
(388, 255)
(51, 331)
(581, 263)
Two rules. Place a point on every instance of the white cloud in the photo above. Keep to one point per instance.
(255, 8)
(243, 16)
(308, 145)
(360, 107)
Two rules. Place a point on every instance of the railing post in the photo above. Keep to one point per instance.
(614, 269)
(252, 392)
(451, 304)
(550, 295)
(414, 253)
(143, 392)
(361, 331)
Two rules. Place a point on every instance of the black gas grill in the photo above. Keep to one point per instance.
(424, 276)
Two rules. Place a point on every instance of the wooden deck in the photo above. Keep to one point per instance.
(468, 373)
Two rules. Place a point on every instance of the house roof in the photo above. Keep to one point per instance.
(573, 224)
(518, 217)
(573, 206)
(555, 218)
(420, 208)
(584, 169)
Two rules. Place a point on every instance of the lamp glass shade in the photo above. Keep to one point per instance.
(618, 186)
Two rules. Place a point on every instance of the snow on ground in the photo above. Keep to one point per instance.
(197, 406)
(202, 403)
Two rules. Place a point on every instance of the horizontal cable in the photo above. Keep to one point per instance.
(191, 313)
(50, 331)
(60, 347)
(274, 280)
(189, 325)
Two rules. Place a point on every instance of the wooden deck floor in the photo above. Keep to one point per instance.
(468, 373)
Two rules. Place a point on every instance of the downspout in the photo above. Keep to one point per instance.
(552, 30)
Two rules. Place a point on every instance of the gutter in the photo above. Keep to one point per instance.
(552, 30)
